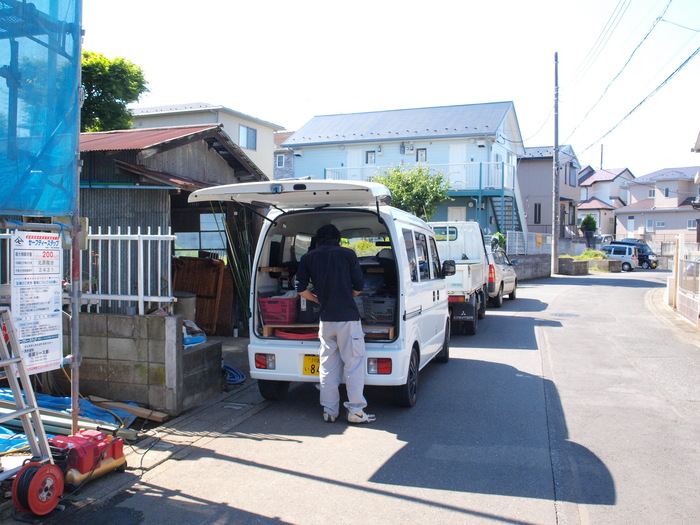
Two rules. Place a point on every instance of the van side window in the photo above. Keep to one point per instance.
(410, 253)
(434, 259)
(422, 256)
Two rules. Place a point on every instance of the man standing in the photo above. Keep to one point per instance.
(337, 279)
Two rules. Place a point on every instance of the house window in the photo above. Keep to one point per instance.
(692, 224)
(421, 155)
(660, 224)
(370, 157)
(247, 137)
(201, 233)
(652, 193)
(667, 192)
(650, 225)
(280, 161)
(538, 213)
(572, 176)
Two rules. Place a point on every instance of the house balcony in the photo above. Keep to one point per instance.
(468, 177)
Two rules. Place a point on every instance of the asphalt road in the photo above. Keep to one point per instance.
(576, 403)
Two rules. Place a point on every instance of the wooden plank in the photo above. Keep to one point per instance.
(141, 412)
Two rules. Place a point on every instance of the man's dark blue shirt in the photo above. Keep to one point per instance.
(335, 272)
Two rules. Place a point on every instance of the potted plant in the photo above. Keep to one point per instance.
(588, 226)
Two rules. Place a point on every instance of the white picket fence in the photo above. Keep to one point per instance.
(121, 272)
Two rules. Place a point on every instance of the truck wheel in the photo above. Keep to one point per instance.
(407, 395)
(470, 327)
(443, 356)
(273, 390)
(482, 304)
(497, 301)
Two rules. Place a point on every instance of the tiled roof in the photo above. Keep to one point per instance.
(687, 173)
(477, 120)
(281, 136)
(588, 176)
(195, 107)
(594, 203)
(138, 139)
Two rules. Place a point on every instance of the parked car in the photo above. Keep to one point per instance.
(647, 257)
(502, 277)
(628, 254)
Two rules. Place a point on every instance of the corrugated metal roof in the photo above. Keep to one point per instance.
(162, 177)
(195, 107)
(403, 124)
(687, 173)
(137, 139)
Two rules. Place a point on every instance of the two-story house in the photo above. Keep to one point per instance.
(660, 206)
(475, 146)
(284, 158)
(602, 192)
(253, 135)
(536, 177)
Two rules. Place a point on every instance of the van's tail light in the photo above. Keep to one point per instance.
(492, 273)
(455, 299)
(265, 361)
(379, 365)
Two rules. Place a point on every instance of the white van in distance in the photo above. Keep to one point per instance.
(404, 302)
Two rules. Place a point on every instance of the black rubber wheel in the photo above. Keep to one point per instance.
(407, 395)
(497, 301)
(443, 356)
(273, 390)
(482, 303)
(645, 265)
(626, 267)
(512, 295)
(470, 327)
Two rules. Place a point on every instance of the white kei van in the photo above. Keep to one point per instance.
(404, 302)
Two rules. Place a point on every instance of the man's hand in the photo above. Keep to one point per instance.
(309, 296)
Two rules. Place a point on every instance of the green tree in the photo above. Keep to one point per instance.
(415, 189)
(588, 224)
(109, 86)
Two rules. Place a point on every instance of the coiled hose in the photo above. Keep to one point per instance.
(233, 375)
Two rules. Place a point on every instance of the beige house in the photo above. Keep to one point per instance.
(535, 177)
(602, 192)
(661, 206)
(254, 136)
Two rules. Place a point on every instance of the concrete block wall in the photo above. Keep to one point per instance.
(142, 359)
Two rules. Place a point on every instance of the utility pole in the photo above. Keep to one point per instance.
(555, 172)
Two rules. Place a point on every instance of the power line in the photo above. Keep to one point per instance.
(687, 60)
(653, 26)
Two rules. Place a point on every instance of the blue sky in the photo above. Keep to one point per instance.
(286, 62)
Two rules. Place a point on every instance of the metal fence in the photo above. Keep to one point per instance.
(123, 273)
(521, 243)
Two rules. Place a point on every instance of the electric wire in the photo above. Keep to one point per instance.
(656, 90)
(629, 59)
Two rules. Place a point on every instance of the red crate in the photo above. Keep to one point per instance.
(279, 310)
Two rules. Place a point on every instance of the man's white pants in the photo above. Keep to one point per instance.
(342, 357)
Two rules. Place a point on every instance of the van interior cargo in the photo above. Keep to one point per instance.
(279, 311)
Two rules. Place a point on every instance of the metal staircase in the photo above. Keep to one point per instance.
(506, 213)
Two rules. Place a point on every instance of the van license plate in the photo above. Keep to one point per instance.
(312, 363)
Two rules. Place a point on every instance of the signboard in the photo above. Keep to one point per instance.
(37, 287)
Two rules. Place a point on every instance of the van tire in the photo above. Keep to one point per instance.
(407, 395)
(626, 267)
(512, 295)
(497, 301)
(273, 390)
(443, 356)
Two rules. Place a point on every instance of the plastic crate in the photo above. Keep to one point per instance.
(379, 310)
(279, 310)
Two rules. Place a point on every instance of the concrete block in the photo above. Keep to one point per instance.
(128, 392)
(93, 347)
(95, 388)
(158, 399)
(122, 326)
(156, 351)
(93, 324)
(127, 349)
(94, 370)
(569, 266)
(156, 374)
(129, 372)
(156, 326)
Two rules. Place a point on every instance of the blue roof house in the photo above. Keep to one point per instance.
(476, 146)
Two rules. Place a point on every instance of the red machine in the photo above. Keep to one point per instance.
(88, 454)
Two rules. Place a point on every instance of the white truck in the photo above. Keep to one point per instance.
(467, 290)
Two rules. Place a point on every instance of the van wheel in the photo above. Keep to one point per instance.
(273, 390)
(645, 265)
(497, 301)
(512, 294)
(443, 356)
(626, 267)
(407, 395)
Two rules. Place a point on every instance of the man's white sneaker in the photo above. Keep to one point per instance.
(328, 418)
(360, 417)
